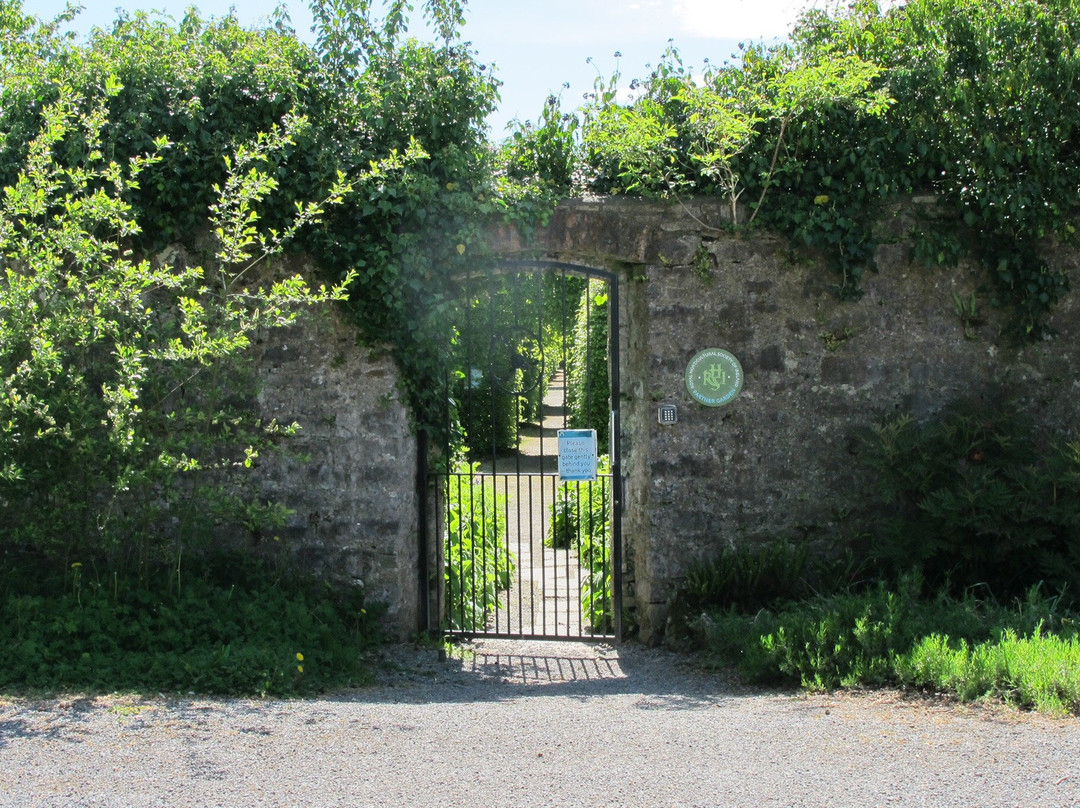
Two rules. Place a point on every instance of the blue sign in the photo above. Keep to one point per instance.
(577, 454)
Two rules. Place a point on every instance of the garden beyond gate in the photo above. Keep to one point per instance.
(524, 553)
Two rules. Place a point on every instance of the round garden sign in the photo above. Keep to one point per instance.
(714, 377)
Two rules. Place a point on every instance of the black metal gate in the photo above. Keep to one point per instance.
(525, 553)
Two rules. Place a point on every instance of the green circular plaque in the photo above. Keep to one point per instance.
(714, 377)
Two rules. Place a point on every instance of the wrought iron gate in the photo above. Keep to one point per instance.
(523, 553)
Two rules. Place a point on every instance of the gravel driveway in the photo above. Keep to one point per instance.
(524, 724)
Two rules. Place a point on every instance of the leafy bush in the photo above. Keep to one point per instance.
(843, 640)
(479, 563)
(229, 626)
(116, 372)
(541, 158)
(975, 649)
(976, 498)
(489, 411)
(597, 604)
(206, 86)
(747, 578)
(1039, 671)
(863, 105)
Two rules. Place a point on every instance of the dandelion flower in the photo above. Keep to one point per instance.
(299, 657)
(300, 668)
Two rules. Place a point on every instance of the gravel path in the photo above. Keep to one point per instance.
(516, 724)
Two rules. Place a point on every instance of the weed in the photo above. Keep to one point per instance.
(832, 340)
(967, 309)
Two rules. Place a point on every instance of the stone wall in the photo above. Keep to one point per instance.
(350, 474)
(781, 459)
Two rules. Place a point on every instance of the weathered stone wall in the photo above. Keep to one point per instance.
(779, 460)
(350, 474)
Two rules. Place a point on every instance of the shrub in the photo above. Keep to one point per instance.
(588, 401)
(975, 497)
(479, 564)
(1040, 671)
(1027, 654)
(747, 578)
(581, 519)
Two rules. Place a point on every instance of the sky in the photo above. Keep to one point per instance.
(538, 45)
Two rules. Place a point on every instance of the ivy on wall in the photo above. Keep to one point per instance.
(972, 102)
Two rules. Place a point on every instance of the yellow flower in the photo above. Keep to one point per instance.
(299, 657)
(76, 565)
(300, 668)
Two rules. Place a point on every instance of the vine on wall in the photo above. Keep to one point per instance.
(973, 102)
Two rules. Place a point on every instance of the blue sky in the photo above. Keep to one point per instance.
(538, 45)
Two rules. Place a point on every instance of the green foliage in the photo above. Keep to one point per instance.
(101, 356)
(1039, 671)
(581, 520)
(733, 129)
(489, 412)
(597, 587)
(845, 640)
(975, 497)
(588, 400)
(479, 563)
(537, 163)
(499, 359)
(982, 107)
(968, 101)
(400, 119)
(1026, 655)
(685, 132)
(511, 338)
(749, 578)
(233, 627)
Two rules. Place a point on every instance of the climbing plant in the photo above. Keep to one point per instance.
(206, 84)
(971, 102)
(105, 360)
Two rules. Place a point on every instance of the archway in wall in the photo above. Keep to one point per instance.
(531, 547)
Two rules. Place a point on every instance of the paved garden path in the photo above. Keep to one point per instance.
(502, 723)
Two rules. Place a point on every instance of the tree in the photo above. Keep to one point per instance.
(97, 349)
